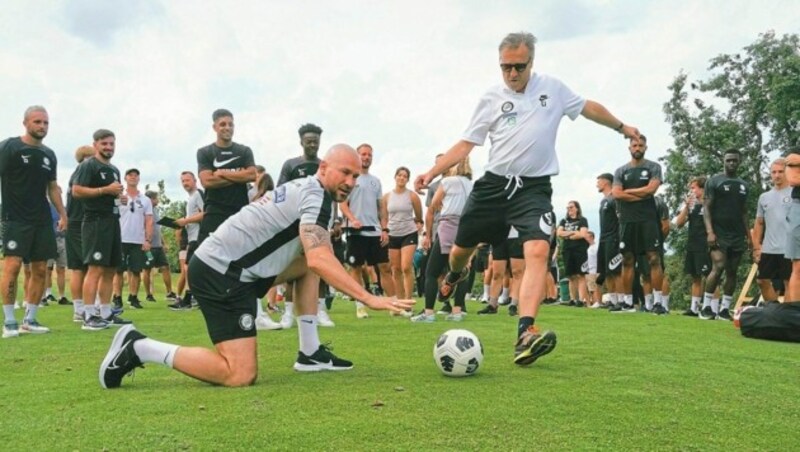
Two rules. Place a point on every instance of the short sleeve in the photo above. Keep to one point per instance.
(147, 205)
(618, 176)
(83, 174)
(656, 171)
(573, 103)
(584, 223)
(54, 167)
(315, 204)
(249, 160)
(205, 160)
(480, 123)
(286, 171)
(760, 206)
(5, 155)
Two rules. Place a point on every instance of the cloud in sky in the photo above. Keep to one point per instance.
(404, 76)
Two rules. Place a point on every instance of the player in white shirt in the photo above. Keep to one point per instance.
(266, 243)
(521, 120)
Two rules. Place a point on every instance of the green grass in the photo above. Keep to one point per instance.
(614, 382)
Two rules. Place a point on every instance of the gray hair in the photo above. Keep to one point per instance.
(33, 109)
(778, 161)
(514, 40)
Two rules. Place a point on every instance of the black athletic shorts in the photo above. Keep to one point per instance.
(697, 263)
(575, 261)
(338, 249)
(191, 248)
(74, 246)
(774, 266)
(515, 249)
(210, 223)
(361, 249)
(395, 243)
(639, 237)
(35, 243)
(731, 245)
(133, 258)
(500, 251)
(159, 259)
(644, 264)
(489, 213)
(102, 242)
(481, 260)
(228, 305)
(609, 259)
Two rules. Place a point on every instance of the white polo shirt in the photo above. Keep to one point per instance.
(132, 218)
(522, 127)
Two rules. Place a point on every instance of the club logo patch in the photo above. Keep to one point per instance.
(543, 99)
(507, 107)
(97, 255)
(12, 245)
(546, 223)
(615, 262)
(246, 322)
(621, 245)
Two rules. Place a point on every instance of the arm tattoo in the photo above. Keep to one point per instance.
(11, 294)
(313, 236)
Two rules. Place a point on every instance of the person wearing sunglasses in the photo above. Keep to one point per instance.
(136, 224)
(521, 119)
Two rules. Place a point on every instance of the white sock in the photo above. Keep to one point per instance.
(695, 304)
(505, 293)
(48, 292)
(30, 312)
(105, 310)
(359, 304)
(648, 301)
(486, 288)
(665, 301)
(320, 304)
(715, 305)
(628, 299)
(657, 296)
(152, 351)
(288, 307)
(8, 311)
(707, 299)
(612, 298)
(726, 301)
(309, 338)
(77, 307)
(513, 302)
(259, 308)
(89, 311)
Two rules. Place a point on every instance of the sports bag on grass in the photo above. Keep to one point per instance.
(776, 322)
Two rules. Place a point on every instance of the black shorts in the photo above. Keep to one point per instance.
(640, 237)
(643, 264)
(35, 243)
(500, 251)
(774, 266)
(339, 249)
(489, 213)
(609, 259)
(362, 249)
(731, 245)
(74, 246)
(191, 247)
(481, 260)
(515, 249)
(697, 264)
(133, 258)
(228, 305)
(101, 242)
(210, 223)
(575, 261)
(395, 243)
(159, 259)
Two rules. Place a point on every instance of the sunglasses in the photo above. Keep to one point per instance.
(519, 67)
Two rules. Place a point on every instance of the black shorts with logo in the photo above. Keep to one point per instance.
(34, 243)
(575, 261)
(496, 203)
(697, 263)
(609, 259)
(640, 237)
(362, 249)
(228, 305)
(133, 258)
(159, 259)
(75, 246)
(774, 266)
(395, 243)
(102, 242)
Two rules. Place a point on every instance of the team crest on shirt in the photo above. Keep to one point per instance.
(742, 190)
(12, 245)
(246, 322)
(507, 106)
(25, 158)
(280, 194)
(787, 200)
(97, 255)
(543, 99)
(46, 161)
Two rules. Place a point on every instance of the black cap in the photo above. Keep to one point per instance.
(133, 170)
(606, 176)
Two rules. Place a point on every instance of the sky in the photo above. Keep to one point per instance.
(402, 76)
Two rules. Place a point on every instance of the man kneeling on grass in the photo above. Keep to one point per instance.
(267, 243)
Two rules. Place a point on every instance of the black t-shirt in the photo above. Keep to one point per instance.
(629, 176)
(75, 209)
(225, 200)
(574, 224)
(26, 172)
(93, 173)
(697, 229)
(728, 195)
(298, 168)
(609, 221)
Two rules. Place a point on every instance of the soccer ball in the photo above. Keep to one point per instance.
(458, 353)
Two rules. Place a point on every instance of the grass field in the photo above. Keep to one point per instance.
(621, 382)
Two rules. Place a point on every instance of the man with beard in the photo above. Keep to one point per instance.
(289, 240)
(634, 188)
(28, 173)
(725, 207)
(191, 221)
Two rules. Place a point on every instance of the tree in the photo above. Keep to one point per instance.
(750, 102)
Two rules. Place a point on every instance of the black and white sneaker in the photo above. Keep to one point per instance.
(117, 301)
(689, 313)
(181, 305)
(94, 323)
(171, 296)
(489, 309)
(134, 302)
(115, 320)
(513, 310)
(446, 308)
(322, 359)
(707, 314)
(659, 309)
(150, 298)
(724, 314)
(622, 308)
(121, 358)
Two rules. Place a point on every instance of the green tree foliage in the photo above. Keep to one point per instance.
(172, 209)
(750, 102)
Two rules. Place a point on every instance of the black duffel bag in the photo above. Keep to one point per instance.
(775, 322)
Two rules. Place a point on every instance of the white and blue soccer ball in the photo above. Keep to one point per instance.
(458, 353)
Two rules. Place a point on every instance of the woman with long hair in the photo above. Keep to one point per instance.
(573, 230)
(404, 210)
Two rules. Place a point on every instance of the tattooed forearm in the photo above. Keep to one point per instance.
(11, 292)
(313, 236)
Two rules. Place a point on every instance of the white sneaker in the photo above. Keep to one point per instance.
(323, 319)
(456, 317)
(33, 327)
(596, 305)
(77, 318)
(265, 323)
(10, 330)
(361, 312)
(17, 305)
(406, 314)
(287, 319)
(424, 318)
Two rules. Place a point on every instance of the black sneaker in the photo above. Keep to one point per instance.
(43, 302)
(94, 323)
(63, 301)
(579, 304)
(689, 313)
(322, 359)
(181, 305)
(115, 320)
(446, 308)
(448, 288)
(622, 308)
(658, 309)
(707, 314)
(51, 298)
(512, 310)
(549, 301)
(121, 358)
(489, 309)
(135, 303)
(171, 296)
(532, 345)
(150, 298)
(117, 300)
(724, 314)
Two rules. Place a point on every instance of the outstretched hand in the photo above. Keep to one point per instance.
(391, 304)
(629, 132)
(421, 182)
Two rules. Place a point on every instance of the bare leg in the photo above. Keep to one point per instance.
(407, 269)
(531, 291)
(233, 363)
(397, 273)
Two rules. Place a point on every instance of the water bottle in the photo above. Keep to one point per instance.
(149, 255)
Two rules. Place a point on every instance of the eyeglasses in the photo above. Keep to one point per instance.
(519, 67)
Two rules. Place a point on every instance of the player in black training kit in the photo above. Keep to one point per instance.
(225, 168)
(609, 259)
(697, 262)
(727, 233)
(28, 173)
(573, 230)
